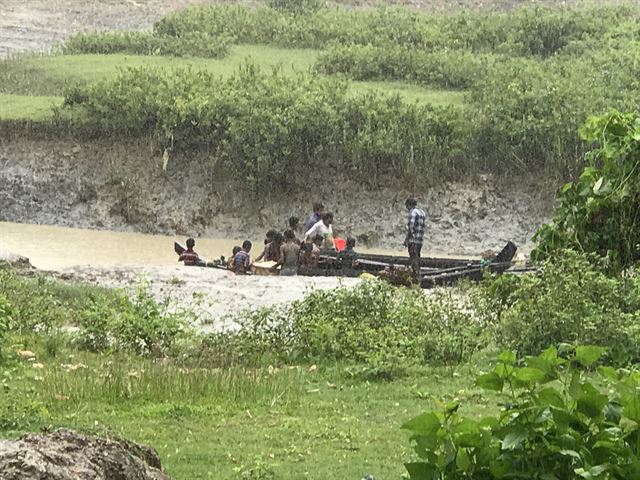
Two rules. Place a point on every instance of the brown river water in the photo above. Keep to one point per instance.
(56, 248)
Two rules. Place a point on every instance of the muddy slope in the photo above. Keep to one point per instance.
(123, 187)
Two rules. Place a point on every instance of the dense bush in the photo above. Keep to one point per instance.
(571, 301)
(105, 319)
(6, 320)
(267, 129)
(524, 31)
(555, 423)
(139, 325)
(443, 68)
(382, 328)
(296, 6)
(195, 44)
(598, 213)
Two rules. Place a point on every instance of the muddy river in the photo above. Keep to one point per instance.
(56, 248)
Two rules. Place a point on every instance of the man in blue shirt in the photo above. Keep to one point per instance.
(415, 234)
(315, 217)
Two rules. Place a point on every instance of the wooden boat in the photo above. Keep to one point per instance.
(434, 271)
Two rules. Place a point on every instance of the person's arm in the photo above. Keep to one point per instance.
(312, 232)
(247, 262)
(264, 252)
(280, 260)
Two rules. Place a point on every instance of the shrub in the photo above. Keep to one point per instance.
(34, 305)
(524, 31)
(196, 44)
(141, 325)
(570, 302)
(6, 320)
(443, 68)
(266, 129)
(384, 329)
(555, 423)
(598, 212)
(296, 6)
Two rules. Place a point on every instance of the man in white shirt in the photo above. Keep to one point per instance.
(322, 228)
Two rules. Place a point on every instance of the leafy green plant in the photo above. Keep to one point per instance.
(297, 7)
(140, 325)
(569, 301)
(556, 423)
(6, 320)
(599, 212)
(266, 129)
(380, 329)
(195, 44)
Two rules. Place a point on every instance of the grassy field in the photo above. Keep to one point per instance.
(27, 107)
(290, 423)
(30, 84)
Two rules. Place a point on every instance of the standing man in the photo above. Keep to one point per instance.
(315, 217)
(415, 234)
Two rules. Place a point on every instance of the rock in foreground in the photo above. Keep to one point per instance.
(11, 260)
(67, 455)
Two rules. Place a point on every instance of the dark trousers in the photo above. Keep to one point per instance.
(414, 258)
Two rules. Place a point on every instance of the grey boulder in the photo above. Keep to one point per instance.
(68, 455)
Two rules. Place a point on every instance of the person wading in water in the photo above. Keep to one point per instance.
(415, 235)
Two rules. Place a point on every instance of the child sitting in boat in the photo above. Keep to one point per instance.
(348, 256)
(236, 249)
(242, 260)
(289, 255)
(309, 254)
(189, 256)
(271, 252)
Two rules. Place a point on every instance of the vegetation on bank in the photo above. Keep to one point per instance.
(301, 384)
(529, 77)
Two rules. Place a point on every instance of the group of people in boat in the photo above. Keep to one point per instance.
(286, 252)
(290, 252)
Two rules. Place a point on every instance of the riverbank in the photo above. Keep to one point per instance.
(122, 186)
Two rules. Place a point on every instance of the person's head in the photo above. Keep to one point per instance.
(246, 246)
(269, 236)
(289, 235)
(278, 238)
(293, 222)
(411, 203)
(351, 243)
(318, 240)
(191, 243)
(306, 247)
(318, 208)
(236, 249)
(327, 218)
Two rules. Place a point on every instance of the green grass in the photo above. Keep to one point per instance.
(25, 107)
(292, 423)
(45, 77)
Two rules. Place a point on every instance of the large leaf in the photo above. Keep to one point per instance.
(587, 355)
(591, 402)
(529, 376)
(632, 409)
(507, 357)
(514, 438)
(425, 424)
(421, 471)
(490, 381)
